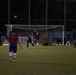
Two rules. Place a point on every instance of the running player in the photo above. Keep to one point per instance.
(29, 40)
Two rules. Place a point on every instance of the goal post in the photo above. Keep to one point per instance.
(46, 31)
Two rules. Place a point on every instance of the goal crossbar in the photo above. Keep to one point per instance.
(32, 27)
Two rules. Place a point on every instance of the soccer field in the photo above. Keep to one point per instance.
(44, 60)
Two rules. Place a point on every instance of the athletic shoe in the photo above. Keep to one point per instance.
(10, 59)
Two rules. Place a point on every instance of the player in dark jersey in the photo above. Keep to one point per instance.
(34, 33)
(29, 40)
(13, 40)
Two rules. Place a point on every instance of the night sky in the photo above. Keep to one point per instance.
(55, 11)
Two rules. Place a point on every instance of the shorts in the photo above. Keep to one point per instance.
(36, 39)
(13, 48)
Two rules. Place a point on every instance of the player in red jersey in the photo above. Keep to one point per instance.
(13, 40)
(37, 37)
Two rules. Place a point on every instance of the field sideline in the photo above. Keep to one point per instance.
(44, 60)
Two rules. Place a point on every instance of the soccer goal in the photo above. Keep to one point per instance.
(47, 32)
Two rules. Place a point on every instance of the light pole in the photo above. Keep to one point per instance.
(9, 26)
(65, 14)
(29, 14)
(46, 16)
(9, 12)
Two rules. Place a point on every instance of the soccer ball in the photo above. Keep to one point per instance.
(15, 16)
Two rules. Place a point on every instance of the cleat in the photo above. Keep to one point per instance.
(10, 59)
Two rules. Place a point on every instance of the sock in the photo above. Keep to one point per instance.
(37, 43)
(14, 55)
(10, 54)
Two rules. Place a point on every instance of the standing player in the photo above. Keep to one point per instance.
(68, 39)
(13, 40)
(29, 40)
(37, 37)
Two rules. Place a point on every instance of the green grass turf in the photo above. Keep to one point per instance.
(44, 60)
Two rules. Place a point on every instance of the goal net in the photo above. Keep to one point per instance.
(48, 33)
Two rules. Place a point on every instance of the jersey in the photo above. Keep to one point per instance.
(13, 38)
(37, 35)
(29, 39)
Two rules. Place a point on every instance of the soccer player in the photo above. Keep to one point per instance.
(68, 39)
(34, 33)
(13, 40)
(29, 40)
(37, 37)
